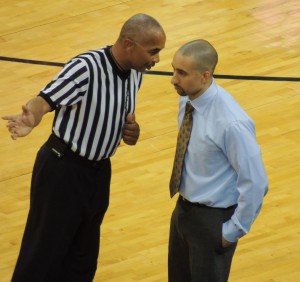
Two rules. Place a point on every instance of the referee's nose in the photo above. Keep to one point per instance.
(156, 58)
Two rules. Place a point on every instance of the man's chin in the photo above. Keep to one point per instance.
(180, 92)
(149, 67)
(144, 69)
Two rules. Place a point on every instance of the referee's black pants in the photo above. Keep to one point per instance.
(195, 244)
(67, 204)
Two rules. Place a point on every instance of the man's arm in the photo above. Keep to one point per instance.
(32, 114)
(244, 154)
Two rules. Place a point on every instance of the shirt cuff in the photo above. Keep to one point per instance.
(231, 231)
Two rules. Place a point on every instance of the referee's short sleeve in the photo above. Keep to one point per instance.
(69, 86)
(48, 100)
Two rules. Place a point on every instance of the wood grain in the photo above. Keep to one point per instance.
(252, 37)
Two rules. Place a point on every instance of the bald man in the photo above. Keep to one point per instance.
(223, 180)
(94, 99)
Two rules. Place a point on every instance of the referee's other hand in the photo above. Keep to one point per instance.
(131, 130)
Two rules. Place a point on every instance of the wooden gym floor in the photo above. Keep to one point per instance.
(257, 38)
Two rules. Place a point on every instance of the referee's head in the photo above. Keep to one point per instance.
(139, 43)
(140, 28)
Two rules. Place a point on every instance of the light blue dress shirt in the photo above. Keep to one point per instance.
(223, 164)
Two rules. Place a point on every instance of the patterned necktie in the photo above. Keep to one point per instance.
(182, 142)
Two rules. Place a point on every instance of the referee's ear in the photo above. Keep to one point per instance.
(128, 43)
(130, 118)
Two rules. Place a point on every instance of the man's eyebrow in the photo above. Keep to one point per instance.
(178, 69)
(156, 50)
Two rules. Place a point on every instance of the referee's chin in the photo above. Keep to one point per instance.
(141, 69)
(149, 67)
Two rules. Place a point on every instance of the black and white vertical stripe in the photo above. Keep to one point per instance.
(91, 99)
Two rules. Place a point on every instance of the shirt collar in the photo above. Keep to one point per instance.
(122, 74)
(201, 102)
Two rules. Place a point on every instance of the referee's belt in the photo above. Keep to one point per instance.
(61, 150)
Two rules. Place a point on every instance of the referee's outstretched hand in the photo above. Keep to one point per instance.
(131, 130)
(20, 125)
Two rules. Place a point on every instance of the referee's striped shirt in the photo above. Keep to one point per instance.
(91, 98)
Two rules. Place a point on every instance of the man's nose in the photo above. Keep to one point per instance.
(156, 58)
(174, 79)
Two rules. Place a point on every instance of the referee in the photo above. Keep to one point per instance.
(94, 99)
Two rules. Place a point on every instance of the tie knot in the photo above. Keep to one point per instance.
(188, 108)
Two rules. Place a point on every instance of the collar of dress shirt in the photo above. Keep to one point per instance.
(203, 100)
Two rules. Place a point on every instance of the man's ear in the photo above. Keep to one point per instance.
(207, 75)
(128, 43)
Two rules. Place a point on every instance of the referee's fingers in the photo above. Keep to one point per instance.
(130, 118)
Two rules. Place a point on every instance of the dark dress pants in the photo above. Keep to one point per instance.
(195, 244)
(67, 204)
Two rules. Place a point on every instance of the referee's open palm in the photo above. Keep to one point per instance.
(20, 125)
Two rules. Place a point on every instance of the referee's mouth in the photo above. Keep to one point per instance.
(150, 66)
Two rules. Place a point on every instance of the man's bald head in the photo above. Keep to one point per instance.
(141, 28)
(204, 55)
